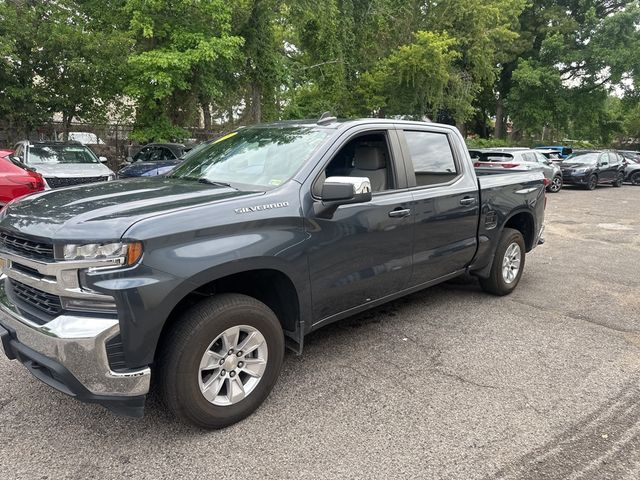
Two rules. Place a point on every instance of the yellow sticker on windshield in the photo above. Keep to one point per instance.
(232, 134)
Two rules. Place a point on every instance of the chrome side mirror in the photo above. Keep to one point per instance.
(338, 191)
(346, 190)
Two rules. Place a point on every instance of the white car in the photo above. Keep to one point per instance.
(85, 138)
(517, 159)
(63, 164)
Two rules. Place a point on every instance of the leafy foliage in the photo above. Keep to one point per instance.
(540, 68)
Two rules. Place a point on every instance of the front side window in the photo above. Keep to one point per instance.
(60, 154)
(431, 156)
(258, 157)
(156, 155)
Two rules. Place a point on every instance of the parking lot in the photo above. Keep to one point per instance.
(446, 383)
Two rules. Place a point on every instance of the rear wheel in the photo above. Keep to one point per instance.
(508, 264)
(220, 360)
(619, 179)
(635, 178)
(592, 183)
(556, 184)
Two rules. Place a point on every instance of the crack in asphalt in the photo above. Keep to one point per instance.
(574, 316)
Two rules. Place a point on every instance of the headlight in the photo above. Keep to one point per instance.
(580, 170)
(127, 253)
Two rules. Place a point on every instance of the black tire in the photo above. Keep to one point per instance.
(188, 339)
(592, 183)
(634, 178)
(496, 283)
(556, 184)
(619, 179)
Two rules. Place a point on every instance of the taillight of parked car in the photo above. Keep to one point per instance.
(34, 181)
(496, 164)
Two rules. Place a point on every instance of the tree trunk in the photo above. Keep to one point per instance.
(206, 113)
(463, 128)
(66, 125)
(499, 132)
(256, 102)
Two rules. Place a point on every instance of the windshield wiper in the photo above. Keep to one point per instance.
(212, 182)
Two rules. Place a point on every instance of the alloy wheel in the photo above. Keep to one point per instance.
(556, 184)
(511, 263)
(233, 365)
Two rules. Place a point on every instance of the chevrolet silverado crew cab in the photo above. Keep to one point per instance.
(203, 277)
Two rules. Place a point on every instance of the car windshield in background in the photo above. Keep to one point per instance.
(61, 154)
(261, 158)
(584, 158)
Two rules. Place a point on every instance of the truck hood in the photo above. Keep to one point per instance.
(71, 169)
(104, 211)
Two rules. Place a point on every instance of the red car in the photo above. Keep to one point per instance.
(16, 180)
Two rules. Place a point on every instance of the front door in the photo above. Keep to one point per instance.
(363, 252)
(608, 169)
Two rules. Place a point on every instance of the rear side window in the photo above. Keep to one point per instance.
(613, 158)
(431, 156)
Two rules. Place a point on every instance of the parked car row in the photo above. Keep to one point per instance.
(31, 167)
(586, 168)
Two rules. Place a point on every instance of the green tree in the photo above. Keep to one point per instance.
(177, 44)
(414, 79)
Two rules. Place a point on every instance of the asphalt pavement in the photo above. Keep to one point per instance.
(446, 383)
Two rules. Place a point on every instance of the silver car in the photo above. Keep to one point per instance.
(63, 164)
(517, 159)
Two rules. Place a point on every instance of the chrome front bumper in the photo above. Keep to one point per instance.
(77, 343)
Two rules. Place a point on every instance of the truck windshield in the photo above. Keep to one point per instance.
(60, 154)
(259, 157)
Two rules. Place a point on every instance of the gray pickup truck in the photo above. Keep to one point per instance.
(201, 278)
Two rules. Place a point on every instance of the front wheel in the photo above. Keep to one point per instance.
(220, 360)
(556, 184)
(592, 183)
(619, 180)
(508, 264)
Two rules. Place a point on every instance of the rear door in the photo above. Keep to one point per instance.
(445, 202)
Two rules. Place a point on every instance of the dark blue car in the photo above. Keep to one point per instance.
(563, 152)
(154, 159)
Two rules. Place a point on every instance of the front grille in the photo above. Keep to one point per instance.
(57, 182)
(43, 301)
(30, 247)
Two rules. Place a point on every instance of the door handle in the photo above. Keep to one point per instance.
(400, 213)
(468, 201)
